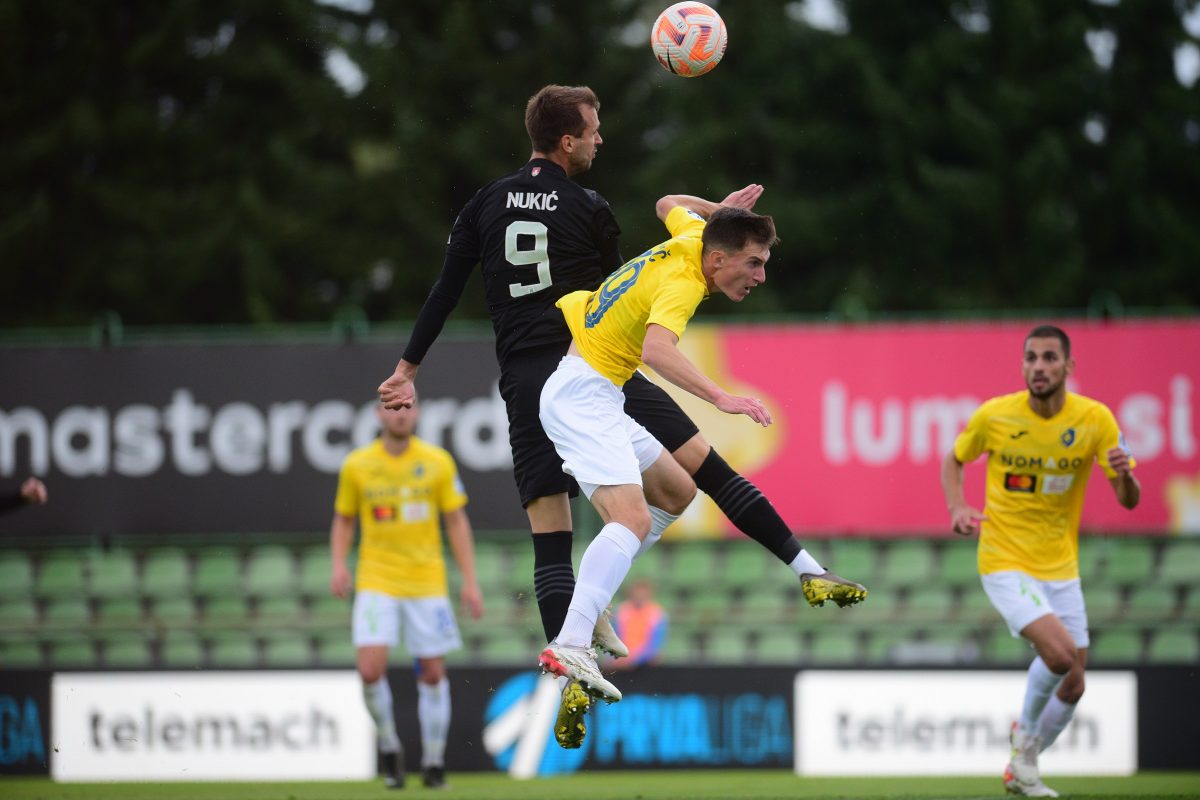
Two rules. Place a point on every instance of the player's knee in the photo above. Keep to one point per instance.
(638, 520)
(679, 499)
(432, 672)
(1059, 659)
(1071, 690)
(370, 673)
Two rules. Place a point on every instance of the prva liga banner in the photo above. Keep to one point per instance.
(217, 437)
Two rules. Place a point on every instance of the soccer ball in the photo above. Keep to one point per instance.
(688, 39)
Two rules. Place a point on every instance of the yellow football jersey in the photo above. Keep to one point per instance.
(663, 285)
(399, 501)
(1037, 474)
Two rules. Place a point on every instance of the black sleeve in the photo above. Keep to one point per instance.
(607, 236)
(443, 297)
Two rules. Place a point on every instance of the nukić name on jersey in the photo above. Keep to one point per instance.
(535, 200)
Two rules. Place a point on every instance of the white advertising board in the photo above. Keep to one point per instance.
(952, 723)
(225, 726)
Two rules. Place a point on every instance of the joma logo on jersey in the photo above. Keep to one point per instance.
(1020, 483)
(535, 200)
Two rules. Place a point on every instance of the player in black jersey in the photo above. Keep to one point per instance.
(539, 235)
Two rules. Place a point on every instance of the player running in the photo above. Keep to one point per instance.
(1040, 444)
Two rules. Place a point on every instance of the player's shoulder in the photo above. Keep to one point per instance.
(431, 451)
(1004, 404)
(1084, 406)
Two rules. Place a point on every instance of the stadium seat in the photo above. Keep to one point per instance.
(1102, 601)
(974, 606)
(181, 650)
(1174, 646)
(940, 644)
(111, 574)
(18, 614)
(710, 603)
(1181, 562)
(61, 573)
(165, 573)
(1002, 648)
(1190, 608)
(20, 653)
(72, 653)
(218, 574)
(959, 564)
(327, 611)
(173, 612)
(1093, 554)
(229, 611)
(770, 604)
(519, 576)
(833, 646)
(270, 570)
(287, 651)
(746, 563)
(681, 647)
(928, 603)
(1130, 560)
(727, 644)
(1153, 603)
(335, 649)
(882, 643)
(1115, 646)
(503, 648)
(128, 652)
(119, 612)
(232, 649)
(906, 562)
(16, 574)
(65, 613)
(316, 566)
(284, 611)
(780, 644)
(489, 566)
(693, 564)
(854, 559)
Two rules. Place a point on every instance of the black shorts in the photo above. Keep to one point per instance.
(655, 410)
(537, 467)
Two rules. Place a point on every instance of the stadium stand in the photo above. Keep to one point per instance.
(203, 605)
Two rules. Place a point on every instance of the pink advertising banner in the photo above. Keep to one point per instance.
(865, 414)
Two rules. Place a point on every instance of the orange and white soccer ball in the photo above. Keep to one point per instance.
(688, 39)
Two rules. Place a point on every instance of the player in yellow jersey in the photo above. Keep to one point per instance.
(637, 316)
(1041, 444)
(401, 490)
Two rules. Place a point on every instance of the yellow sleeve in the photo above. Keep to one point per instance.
(346, 502)
(971, 442)
(674, 303)
(451, 495)
(681, 222)
(1110, 437)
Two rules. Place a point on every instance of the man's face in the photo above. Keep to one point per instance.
(581, 150)
(1045, 367)
(399, 423)
(736, 273)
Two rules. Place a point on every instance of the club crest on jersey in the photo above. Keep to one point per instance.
(1068, 437)
(419, 471)
(535, 171)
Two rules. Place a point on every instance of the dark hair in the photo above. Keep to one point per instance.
(730, 229)
(1051, 332)
(554, 112)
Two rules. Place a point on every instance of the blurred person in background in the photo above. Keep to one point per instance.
(397, 489)
(539, 236)
(1041, 444)
(642, 625)
(32, 492)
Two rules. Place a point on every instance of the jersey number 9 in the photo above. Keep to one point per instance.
(538, 256)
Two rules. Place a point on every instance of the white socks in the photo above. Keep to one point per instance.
(604, 565)
(1055, 717)
(1041, 684)
(378, 697)
(433, 712)
(659, 521)
(804, 563)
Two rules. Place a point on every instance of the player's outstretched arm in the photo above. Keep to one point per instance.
(745, 197)
(661, 353)
(964, 518)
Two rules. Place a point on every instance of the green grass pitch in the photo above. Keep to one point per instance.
(703, 785)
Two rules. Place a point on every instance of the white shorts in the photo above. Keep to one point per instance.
(430, 630)
(1021, 599)
(583, 413)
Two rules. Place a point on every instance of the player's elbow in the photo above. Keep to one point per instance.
(664, 206)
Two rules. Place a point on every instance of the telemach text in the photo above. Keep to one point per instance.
(174, 732)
